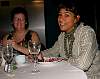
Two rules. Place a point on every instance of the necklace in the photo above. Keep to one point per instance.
(68, 43)
(19, 37)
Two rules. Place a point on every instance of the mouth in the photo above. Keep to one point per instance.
(61, 25)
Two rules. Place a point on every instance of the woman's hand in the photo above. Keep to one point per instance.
(14, 44)
(29, 58)
(40, 57)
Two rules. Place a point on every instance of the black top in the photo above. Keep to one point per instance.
(24, 41)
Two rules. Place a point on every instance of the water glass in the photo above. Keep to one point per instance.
(8, 56)
(34, 49)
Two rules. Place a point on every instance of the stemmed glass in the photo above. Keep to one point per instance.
(1, 45)
(8, 56)
(34, 49)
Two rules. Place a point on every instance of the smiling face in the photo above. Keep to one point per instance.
(66, 20)
(19, 21)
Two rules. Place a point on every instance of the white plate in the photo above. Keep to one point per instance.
(48, 64)
(53, 59)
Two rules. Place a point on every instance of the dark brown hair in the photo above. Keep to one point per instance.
(69, 7)
(22, 10)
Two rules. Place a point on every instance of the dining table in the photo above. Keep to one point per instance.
(47, 70)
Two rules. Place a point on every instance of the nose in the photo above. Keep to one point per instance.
(18, 19)
(61, 18)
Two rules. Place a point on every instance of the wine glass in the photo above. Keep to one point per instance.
(34, 49)
(8, 56)
(1, 45)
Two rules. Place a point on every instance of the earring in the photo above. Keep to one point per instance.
(25, 22)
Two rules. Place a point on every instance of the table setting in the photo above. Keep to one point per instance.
(47, 70)
(50, 68)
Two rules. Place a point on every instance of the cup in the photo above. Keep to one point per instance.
(20, 59)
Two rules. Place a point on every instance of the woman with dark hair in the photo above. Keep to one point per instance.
(20, 35)
(76, 43)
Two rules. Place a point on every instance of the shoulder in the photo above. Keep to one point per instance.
(7, 35)
(82, 28)
(32, 32)
(4, 39)
(85, 32)
(34, 35)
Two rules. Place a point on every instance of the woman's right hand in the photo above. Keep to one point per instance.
(14, 44)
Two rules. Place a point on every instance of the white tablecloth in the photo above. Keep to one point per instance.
(58, 70)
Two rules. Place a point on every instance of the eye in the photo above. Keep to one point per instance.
(21, 19)
(67, 15)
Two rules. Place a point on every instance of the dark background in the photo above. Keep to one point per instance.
(89, 12)
(35, 9)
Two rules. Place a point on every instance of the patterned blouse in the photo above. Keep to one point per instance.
(24, 42)
(84, 50)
